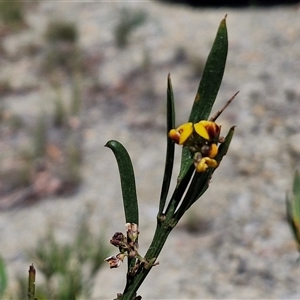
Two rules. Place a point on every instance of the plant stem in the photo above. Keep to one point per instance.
(161, 234)
(31, 283)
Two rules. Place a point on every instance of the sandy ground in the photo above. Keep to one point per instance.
(247, 252)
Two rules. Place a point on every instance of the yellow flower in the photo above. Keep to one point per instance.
(182, 133)
(202, 139)
(205, 162)
(186, 132)
(201, 130)
(212, 130)
(209, 150)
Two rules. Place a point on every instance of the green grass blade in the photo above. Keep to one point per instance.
(296, 184)
(127, 181)
(294, 225)
(170, 147)
(3, 277)
(295, 208)
(289, 212)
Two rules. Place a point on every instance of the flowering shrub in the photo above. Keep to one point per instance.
(202, 151)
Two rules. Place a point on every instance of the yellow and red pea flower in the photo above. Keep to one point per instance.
(202, 139)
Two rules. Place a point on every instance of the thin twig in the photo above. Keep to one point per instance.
(215, 116)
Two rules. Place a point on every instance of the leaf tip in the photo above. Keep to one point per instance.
(107, 144)
(169, 81)
(110, 144)
(223, 22)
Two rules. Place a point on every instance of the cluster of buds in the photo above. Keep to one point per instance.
(127, 245)
(202, 139)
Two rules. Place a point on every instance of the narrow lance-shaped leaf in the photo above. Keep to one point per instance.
(170, 147)
(127, 181)
(212, 76)
(208, 86)
(291, 221)
(296, 184)
(223, 148)
(179, 192)
(293, 210)
(128, 187)
(197, 184)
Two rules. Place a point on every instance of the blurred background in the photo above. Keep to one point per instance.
(218, 3)
(74, 75)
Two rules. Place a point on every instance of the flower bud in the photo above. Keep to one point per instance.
(118, 240)
(113, 261)
(132, 231)
(204, 163)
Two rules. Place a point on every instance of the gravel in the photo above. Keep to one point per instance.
(247, 252)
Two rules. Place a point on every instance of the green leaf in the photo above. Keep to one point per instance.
(293, 218)
(289, 213)
(212, 76)
(296, 184)
(198, 186)
(170, 147)
(127, 181)
(3, 277)
(223, 148)
(208, 87)
(179, 191)
(293, 209)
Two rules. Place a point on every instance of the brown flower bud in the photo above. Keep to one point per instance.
(118, 239)
(114, 262)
